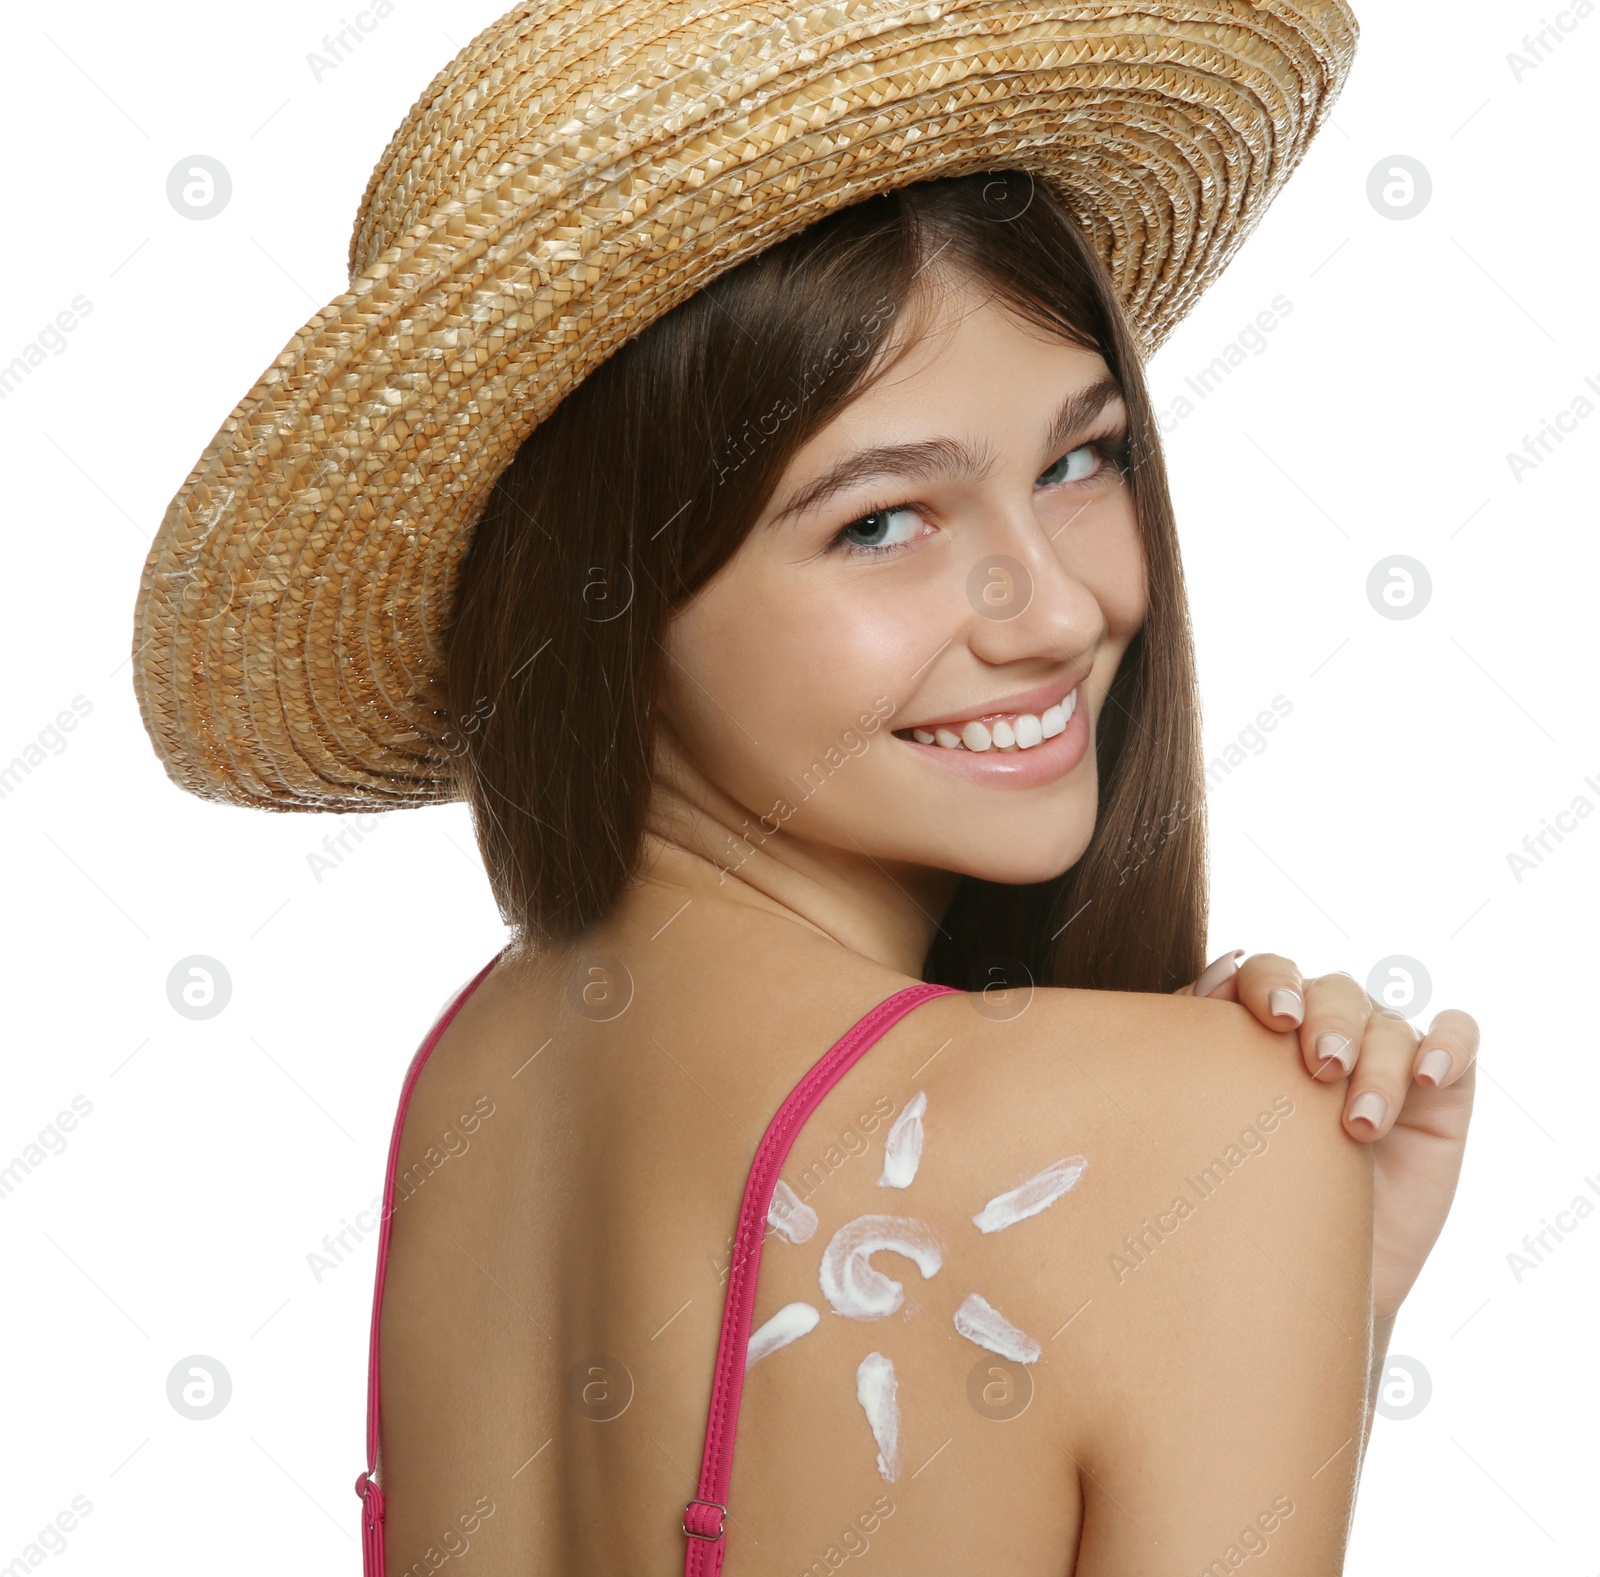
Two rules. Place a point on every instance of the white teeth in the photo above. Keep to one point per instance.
(1055, 718)
(1023, 732)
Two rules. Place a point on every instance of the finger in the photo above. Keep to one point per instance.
(1337, 1011)
(1218, 973)
(1382, 1076)
(1448, 1049)
(1269, 985)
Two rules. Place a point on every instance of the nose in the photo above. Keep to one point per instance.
(1025, 603)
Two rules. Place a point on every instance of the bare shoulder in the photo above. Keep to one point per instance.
(1168, 1206)
(1142, 1084)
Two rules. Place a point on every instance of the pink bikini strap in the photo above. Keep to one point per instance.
(366, 1486)
(704, 1516)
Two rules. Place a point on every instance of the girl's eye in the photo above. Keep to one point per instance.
(1076, 465)
(881, 531)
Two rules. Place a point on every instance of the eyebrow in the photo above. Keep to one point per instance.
(943, 456)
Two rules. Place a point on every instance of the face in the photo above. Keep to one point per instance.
(906, 657)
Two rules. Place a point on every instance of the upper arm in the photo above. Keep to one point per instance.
(1228, 1419)
(1211, 1384)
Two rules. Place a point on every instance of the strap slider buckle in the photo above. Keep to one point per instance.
(371, 1493)
(710, 1538)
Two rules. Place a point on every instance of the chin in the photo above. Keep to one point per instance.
(1010, 869)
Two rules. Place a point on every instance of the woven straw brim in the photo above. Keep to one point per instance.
(578, 170)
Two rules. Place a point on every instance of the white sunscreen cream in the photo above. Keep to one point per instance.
(902, 1150)
(878, 1395)
(1040, 1191)
(849, 1281)
(793, 1320)
(789, 1215)
(979, 1321)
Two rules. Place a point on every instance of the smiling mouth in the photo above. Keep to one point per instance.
(999, 731)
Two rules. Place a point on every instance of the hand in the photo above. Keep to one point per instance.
(1409, 1096)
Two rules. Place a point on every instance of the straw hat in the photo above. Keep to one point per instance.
(579, 169)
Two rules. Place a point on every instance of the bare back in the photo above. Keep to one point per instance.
(556, 1285)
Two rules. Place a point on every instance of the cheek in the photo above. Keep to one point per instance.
(1110, 561)
(768, 671)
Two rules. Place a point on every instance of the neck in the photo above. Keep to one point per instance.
(702, 844)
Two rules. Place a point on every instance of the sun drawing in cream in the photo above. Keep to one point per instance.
(857, 1289)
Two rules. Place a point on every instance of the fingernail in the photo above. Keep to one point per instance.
(1369, 1106)
(1435, 1066)
(1334, 1047)
(1286, 1003)
(1218, 971)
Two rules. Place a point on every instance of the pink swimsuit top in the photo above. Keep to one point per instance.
(703, 1517)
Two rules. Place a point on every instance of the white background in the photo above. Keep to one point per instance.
(1416, 756)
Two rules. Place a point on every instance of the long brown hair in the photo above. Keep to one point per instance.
(645, 480)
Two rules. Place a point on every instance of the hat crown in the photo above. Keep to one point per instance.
(537, 78)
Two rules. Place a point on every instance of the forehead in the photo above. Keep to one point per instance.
(959, 360)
